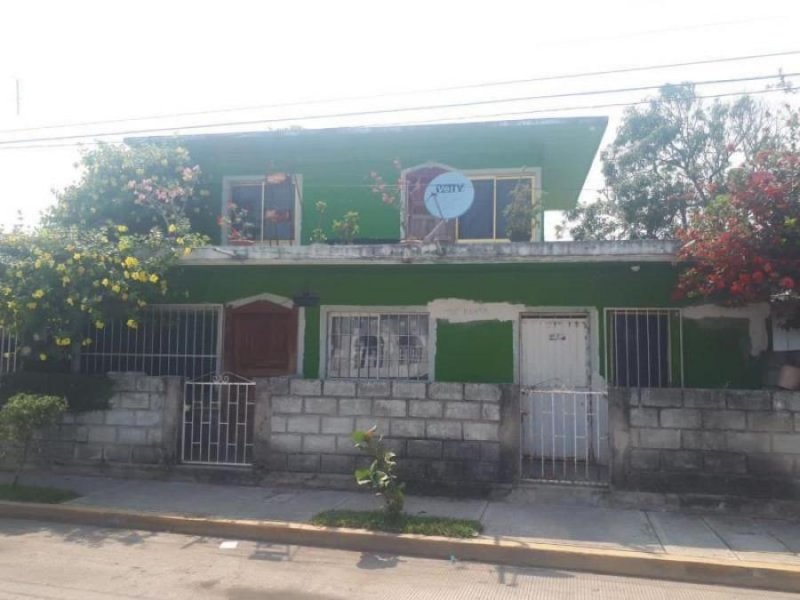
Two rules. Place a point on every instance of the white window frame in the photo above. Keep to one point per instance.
(670, 313)
(353, 310)
(8, 351)
(229, 181)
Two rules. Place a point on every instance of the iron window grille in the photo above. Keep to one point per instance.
(378, 345)
(8, 352)
(174, 339)
(644, 347)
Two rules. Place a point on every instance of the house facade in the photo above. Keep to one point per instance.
(479, 359)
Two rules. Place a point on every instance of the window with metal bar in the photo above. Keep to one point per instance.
(175, 339)
(644, 347)
(8, 352)
(378, 345)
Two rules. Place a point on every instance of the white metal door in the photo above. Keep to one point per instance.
(554, 352)
(554, 355)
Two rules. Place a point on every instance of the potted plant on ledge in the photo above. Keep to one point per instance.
(521, 213)
(240, 228)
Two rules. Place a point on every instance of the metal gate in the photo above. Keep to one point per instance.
(565, 435)
(218, 420)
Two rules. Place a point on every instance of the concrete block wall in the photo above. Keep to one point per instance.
(140, 427)
(441, 432)
(733, 442)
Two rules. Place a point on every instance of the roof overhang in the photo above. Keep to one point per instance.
(432, 253)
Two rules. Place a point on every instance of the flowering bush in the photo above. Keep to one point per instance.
(746, 247)
(103, 251)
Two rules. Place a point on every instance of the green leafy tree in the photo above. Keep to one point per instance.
(102, 253)
(668, 161)
(22, 417)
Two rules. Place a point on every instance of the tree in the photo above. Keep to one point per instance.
(746, 246)
(666, 162)
(103, 251)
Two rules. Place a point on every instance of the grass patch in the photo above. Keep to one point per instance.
(29, 493)
(377, 521)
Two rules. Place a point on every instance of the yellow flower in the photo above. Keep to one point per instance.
(122, 228)
(76, 256)
(132, 324)
(115, 288)
(179, 241)
(43, 356)
(141, 303)
(142, 276)
(86, 342)
(187, 251)
(172, 228)
(63, 341)
(131, 262)
(65, 280)
(135, 276)
(31, 305)
(99, 324)
(153, 278)
(38, 264)
(105, 282)
(70, 301)
(38, 294)
(127, 275)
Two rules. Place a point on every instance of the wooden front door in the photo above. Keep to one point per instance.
(261, 340)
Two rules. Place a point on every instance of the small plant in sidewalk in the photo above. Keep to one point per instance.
(381, 475)
(23, 417)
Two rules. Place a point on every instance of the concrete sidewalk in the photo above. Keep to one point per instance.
(713, 537)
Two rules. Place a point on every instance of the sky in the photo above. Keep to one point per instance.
(83, 61)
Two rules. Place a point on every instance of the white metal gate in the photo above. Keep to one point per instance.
(565, 435)
(218, 420)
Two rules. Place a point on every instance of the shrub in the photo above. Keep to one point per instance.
(380, 475)
(23, 416)
(82, 392)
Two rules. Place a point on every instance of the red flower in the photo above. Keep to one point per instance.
(787, 283)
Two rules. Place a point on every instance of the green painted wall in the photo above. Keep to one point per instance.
(715, 354)
(479, 352)
(335, 163)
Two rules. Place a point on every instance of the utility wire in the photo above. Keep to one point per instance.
(393, 110)
(443, 120)
(471, 86)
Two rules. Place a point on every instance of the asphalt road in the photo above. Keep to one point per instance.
(44, 560)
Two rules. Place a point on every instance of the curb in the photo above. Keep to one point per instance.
(767, 576)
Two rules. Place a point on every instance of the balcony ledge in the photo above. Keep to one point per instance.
(433, 253)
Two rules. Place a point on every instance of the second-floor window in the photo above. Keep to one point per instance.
(486, 219)
(260, 209)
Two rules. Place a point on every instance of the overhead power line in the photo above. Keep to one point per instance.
(450, 119)
(393, 110)
(472, 86)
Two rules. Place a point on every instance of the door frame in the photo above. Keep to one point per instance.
(596, 382)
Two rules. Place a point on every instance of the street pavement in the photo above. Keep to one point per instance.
(712, 536)
(48, 561)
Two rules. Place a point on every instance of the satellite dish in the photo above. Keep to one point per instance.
(449, 195)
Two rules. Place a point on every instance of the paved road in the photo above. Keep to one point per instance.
(43, 560)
